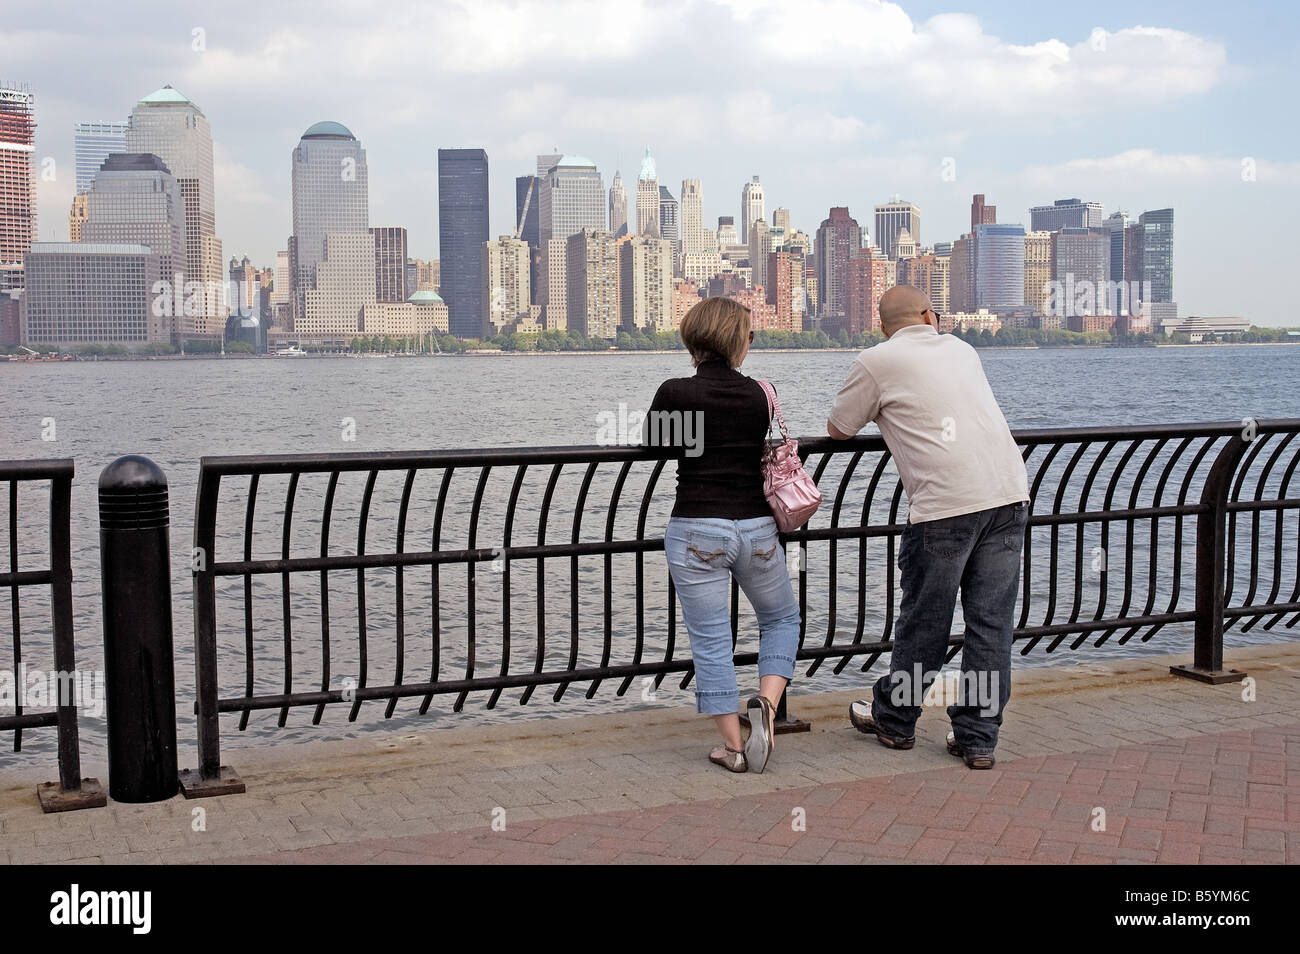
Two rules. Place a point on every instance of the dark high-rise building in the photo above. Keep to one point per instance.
(838, 241)
(1065, 214)
(527, 203)
(1116, 227)
(526, 206)
(462, 230)
(981, 214)
(1156, 252)
(668, 216)
(390, 264)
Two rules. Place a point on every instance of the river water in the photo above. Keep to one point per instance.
(178, 411)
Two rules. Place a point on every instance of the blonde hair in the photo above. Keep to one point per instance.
(716, 328)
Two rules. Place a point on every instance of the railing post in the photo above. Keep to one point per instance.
(211, 777)
(71, 792)
(136, 569)
(1211, 568)
(786, 723)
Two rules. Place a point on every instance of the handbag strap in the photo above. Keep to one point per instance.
(773, 407)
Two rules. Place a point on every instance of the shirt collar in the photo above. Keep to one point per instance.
(915, 330)
(714, 368)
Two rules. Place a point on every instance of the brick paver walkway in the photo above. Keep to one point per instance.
(1183, 771)
(1226, 797)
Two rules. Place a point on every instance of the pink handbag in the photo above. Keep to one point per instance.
(788, 487)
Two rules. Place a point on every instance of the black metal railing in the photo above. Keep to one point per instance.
(50, 585)
(485, 571)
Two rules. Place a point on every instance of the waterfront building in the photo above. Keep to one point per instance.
(173, 128)
(462, 230)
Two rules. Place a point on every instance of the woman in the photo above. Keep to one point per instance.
(721, 525)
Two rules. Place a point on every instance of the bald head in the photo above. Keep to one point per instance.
(901, 306)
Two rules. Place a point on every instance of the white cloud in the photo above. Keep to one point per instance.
(1149, 167)
(754, 117)
(951, 62)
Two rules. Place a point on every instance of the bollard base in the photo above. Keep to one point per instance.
(195, 786)
(786, 726)
(55, 799)
(1212, 677)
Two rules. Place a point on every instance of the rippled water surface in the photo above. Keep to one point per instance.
(178, 411)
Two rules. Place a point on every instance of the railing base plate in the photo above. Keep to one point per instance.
(194, 785)
(784, 726)
(1213, 677)
(55, 799)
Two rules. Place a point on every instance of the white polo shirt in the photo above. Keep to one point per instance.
(952, 446)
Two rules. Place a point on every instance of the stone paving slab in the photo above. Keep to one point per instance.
(1184, 771)
(1229, 797)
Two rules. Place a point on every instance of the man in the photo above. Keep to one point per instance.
(967, 506)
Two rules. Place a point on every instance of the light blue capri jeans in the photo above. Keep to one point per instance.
(703, 554)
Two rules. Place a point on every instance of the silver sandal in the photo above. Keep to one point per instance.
(733, 760)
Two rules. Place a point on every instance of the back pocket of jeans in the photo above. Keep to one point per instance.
(946, 540)
(705, 549)
(765, 548)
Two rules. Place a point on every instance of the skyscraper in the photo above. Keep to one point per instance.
(1065, 213)
(1114, 227)
(727, 234)
(617, 207)
(134, 200)
(961, 275)
(17, 181)
(528, 208)
(692, 217)
(981, 214)
(175, 130)
(1080, 255)
(92, 143)
(668, 216)
(647, 197)
(751, 207)
(646, 284)
(546, 162)
(506, 292)
(781, 221)
(893, 218)
(592, 278)
(1154, 253)
(786, 289)
(838, 241)
(760, 246)
(80, 292)
(331, 223)
(572, 199)
(1038, 270)
(999, 260)
(462, 230)
(390, 264)
(77, 217)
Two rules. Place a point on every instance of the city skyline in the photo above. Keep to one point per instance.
(813, 150)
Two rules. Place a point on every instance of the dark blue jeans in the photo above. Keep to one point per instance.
(978, 553)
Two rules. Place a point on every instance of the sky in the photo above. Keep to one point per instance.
(830, 102)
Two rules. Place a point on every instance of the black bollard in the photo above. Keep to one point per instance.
(136, 575)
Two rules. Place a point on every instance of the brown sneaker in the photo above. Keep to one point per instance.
(864, 722)
(733, 760)
(972, 760)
